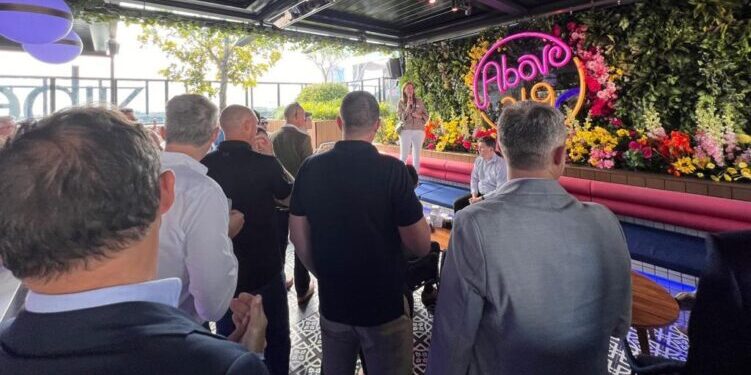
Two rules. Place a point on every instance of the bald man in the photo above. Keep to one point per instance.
(253, 181)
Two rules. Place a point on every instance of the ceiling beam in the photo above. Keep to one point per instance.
(474, 25)
(504, 6)
(353, 21)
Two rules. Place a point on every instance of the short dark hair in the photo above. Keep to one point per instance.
(79, 186)
(488, 141)
(359, 110)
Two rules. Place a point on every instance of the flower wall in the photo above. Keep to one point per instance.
(668, 87)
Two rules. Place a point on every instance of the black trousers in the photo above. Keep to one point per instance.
(463, 202)
(302, 276)
(278, 342)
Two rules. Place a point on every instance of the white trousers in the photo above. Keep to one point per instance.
(411, 139)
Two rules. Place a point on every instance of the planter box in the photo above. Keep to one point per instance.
(617, 176)
(663, 182)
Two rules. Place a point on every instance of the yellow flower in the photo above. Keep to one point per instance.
(622, 133)
(728, 178)
(684, 165)
(742, 165)
(732, 171)
(710, 166)
(743, 138)
(715, 179)
(745, 172)
(700, 175)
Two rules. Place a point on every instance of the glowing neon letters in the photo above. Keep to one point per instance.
(503, 74)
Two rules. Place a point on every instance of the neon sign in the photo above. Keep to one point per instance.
(503, 75)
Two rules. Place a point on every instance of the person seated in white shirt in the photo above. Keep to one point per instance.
(488, 174)
(195, 243)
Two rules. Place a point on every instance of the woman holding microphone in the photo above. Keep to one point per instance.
(411, 127)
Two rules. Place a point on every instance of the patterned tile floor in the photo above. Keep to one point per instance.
(305, 358)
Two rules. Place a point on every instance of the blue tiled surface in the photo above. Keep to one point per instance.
(668, 284)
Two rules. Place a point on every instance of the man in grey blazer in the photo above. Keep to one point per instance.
(535, 281)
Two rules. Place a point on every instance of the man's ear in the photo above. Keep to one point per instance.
(215, 134)
(559, 155)
(377, 125)
(166, 191)
(339, 123)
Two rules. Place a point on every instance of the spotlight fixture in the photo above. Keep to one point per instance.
(431, 1)
(302, 10)
(465, 5)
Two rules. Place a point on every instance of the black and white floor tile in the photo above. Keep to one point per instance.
(305, 358)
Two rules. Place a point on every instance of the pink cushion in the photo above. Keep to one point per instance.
(581, 189)
(459, 167)
(687, 210)
(461, 178)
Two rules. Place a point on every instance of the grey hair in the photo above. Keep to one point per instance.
(291, 109)
(529, 132)
(190, 119)
(359, 110)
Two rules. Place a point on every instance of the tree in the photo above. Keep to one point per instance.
(233, 56)
(326, 58)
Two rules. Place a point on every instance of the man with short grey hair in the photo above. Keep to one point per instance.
(292, 145)
(535, 282)
(195, 235)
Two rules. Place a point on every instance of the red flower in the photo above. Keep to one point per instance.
(633, 145)
(647, 152)
(557, 31)
(598, 108)
(467, 145)
(616, 122)
(571, 26)
(593, 86)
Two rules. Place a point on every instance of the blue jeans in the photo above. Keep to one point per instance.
(278, 343)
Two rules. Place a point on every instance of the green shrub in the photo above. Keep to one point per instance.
(328, 110)
(322, 92)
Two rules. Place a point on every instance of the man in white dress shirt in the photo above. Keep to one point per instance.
(195, 243)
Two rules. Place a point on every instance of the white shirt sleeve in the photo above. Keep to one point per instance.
(209, 257)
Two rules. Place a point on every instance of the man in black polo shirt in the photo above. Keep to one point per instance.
(353, 213)
(252, 181)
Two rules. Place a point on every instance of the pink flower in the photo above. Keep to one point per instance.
(608, 164)
(557, 30)
(571, 26)
(647, 152)
(616, 122)
(634, 145)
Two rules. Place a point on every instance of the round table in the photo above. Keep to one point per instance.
(652, 307)
(441, 235)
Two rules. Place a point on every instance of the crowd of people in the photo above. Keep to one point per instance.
(129, 251)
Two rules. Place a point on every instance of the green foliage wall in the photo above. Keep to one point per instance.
(671, 52)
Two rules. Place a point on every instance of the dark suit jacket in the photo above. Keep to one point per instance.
(291, 147)
(124, 338)
(720, 326)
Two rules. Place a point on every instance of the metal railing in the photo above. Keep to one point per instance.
(36, 96)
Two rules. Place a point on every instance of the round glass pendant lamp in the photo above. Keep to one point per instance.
(35, 21)
(59, 52)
